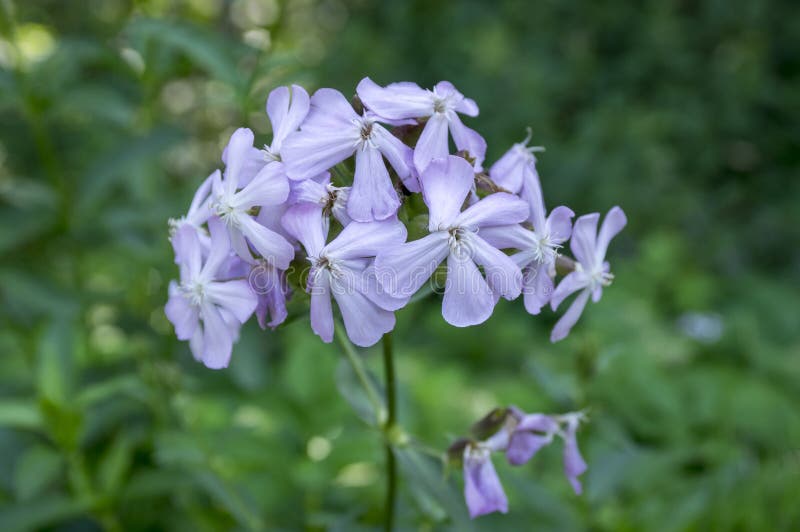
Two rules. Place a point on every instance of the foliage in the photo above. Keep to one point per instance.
(681, 112)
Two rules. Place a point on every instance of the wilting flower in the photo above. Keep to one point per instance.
(331, 133)
(574, 465)
(340, 269)
(529, 434)
(456, 236)
(516, 171)
(440, 106)
(482, 489)
(205, 309)
(591, 273)
(234, 205)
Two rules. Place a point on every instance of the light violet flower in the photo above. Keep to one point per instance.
(456, 236)
(199, 210)
(592, 272)
(331, 133)
(269, 283)
(516, 171)
(234, 205)
(574, 465)
(203, 308)
(440, 106)
(340, 269)
(320, 191)
(529, 435)
(482, 489)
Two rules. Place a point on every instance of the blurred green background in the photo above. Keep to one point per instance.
(687, 114)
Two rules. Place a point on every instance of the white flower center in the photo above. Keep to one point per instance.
(544, 249)
(269, 155)
(194, 291)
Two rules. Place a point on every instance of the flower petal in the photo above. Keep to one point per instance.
(235, 296)
(220, 249)
(321, 307)
(445, 185)
(364, 321)
(574, 464)
(468, 140)
(499, 208)
(183, 316)
(583, 241)
(502, 274)
(366, 240)
(468, 300)
(482, 489)
(403, 269)
(188, 253)
(531, 192)
(217, 338)
(432, 143)
(286, 112)
(400, 156)
(268, 187)
(507, 170)
(397, 100)
(559, 224)
(537, 288)
(270, 245)
(571, 283)
(372, 196)
(512, 236)
(613, 223)
(304, 222)
(236, 156)
(570, 317)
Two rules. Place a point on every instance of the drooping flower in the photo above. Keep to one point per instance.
(269, 284)
(574, 465)
(482, 489)
(530, 433)
(331, 133)
(339, 269)
(516, 171)
(469, 298)
(592, 272)
(234, 205)
(205, 309)
(440, 106)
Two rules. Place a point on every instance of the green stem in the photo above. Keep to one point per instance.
(361, 373)
(391, 404)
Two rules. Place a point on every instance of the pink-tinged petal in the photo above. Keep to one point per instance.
(499, 208)
(217, 338)
(507, 170)
(502, 274)
(583, 241)
(395, 101)
(445, 185)
(482, 489)
(537, 288)
(468, 140)
(574, 464)
(570, 317)
(306, 155)
(401, 270)
(531, 192)
(400, 156)
(364, 321)
(273, 247)
(613, 223)
(468, 300)
(183, 316)
(286, 111)
(365, 240)
(512, 236)
(237, 153)
(559, 224)
(235, 296)
(321, 308)
(188, 253)
(220, 248)
(571, 283)
(372, 196)
(304, 222)
(432, 143)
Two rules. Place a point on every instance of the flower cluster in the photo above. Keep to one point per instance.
(519, 436)
(332, 196)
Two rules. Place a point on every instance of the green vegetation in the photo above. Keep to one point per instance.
(684, 113)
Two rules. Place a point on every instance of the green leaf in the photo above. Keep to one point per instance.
(38, 468)
(115, 464)
(39, 513)
(20, 414)
(54, 368)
